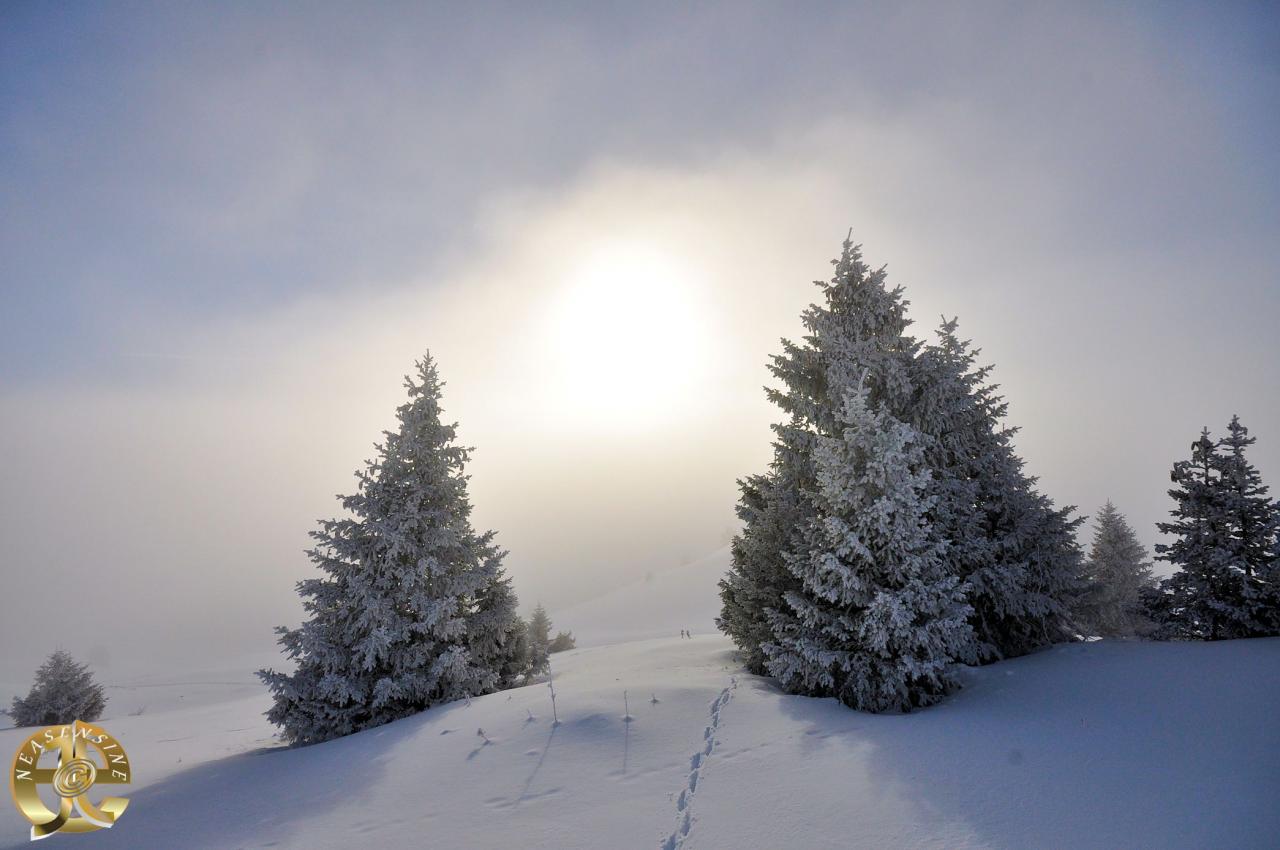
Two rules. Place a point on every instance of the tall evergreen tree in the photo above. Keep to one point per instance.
(1014, 550)
(63, 691)
(877, 623)
(1196, 597)
(1225, 536)
(539, 641)
(1254, 522)
(411, 609)
(846, 379)
(1118, 573)
(856, 336)
(772, 509)
(1014, 553)
(499, 638)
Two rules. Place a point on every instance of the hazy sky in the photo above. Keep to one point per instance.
(226, 231)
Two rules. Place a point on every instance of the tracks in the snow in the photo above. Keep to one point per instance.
(684, 802)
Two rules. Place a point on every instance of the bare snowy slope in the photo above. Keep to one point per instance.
(684, 597)
(1103, 745)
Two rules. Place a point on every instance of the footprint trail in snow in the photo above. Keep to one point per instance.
(684, 802)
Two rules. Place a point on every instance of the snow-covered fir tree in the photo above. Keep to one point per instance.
(877, 622)
(1016, 553)
(1188, 605)
(498, 637)
(1118, 574)
(1224, 530)
(855, 337)
(1013, 551)
(539, 641)
(412, 609)
(63, 691)
(1254, 519)
(772, 508)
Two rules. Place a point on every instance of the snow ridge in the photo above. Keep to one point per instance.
(684, 803)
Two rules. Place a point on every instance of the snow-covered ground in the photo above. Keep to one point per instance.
(1102, 745)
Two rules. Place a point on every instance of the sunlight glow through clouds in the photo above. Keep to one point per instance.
(630, 335)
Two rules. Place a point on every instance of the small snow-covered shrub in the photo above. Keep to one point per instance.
(63, 691)
(563, 641)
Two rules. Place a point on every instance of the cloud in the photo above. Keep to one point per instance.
(321, 221)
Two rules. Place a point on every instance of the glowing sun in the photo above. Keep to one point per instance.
(630, 335)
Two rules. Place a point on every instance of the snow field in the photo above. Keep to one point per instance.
(1099, 745)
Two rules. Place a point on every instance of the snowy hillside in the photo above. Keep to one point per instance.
(684, 597)
(1101, 745)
